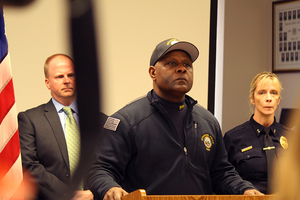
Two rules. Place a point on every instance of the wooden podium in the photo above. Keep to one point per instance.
(141, 195)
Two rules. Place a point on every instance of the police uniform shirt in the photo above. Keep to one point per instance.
(245, 144)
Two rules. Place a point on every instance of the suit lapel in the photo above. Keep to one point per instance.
(54, 121)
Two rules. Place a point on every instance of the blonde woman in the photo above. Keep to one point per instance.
(245, 143)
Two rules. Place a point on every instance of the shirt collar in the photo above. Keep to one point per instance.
(259, 128)
(168, 105)
(58, 106)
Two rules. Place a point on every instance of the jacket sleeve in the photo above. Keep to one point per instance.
(112, 156)
(225, 178)
(48, 184)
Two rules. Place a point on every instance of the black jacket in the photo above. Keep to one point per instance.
(146, 152)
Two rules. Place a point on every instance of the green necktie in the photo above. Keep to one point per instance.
(73, 140)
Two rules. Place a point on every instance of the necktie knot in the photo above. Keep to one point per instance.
(267, 130)
(68, 111)
(268, 140)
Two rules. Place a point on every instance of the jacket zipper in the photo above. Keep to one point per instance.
(195, 136)
(185, 139)
(165, 114)
(174, 128)
(185, 150)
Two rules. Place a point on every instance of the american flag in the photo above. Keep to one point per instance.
(11, 174)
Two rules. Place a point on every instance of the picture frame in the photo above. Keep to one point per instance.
(286, 36)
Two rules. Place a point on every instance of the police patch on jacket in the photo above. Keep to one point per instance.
(208, 141)
(111, 123)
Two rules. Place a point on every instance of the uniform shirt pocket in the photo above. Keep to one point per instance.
(251, 164)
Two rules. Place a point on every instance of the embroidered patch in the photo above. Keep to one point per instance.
(181, 107)
(208, 141)
(111, 123)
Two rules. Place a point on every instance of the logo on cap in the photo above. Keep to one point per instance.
(172, 41)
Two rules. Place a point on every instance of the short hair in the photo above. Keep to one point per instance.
(49, 59)
(264, 77)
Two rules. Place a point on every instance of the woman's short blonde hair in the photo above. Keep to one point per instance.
(264, 77)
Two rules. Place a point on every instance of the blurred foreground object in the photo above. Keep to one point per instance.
(287, 179)
(15, 2)
(84, 52)
(26, 190)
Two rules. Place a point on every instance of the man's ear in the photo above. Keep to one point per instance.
(47, 83)
(152, 72)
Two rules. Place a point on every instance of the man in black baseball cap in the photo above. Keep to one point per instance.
(165, 142)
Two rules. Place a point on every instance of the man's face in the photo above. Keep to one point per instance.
(173, 76)
(266, 98)
(61, 80)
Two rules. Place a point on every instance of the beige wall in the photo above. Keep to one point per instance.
(244, 56)
(34, 32)
(248, 51)
(129, 31)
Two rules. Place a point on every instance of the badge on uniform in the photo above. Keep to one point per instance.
(111, 123)
(284, 142)
(208, 141)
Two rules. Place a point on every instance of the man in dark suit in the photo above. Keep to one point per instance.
(42, 132)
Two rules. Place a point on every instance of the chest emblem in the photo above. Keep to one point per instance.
(208, 141)
(284, 142)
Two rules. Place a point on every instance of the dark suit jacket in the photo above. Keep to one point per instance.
(44, 150)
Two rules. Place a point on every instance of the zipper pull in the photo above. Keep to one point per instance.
(195, 125)
(185, 150)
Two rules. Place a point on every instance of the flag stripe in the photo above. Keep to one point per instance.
(9, 154)
(11, 186)
(11, 174)
(8, 127)
(5, 72)
(7, 99)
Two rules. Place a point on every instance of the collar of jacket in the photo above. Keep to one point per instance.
(154, 102)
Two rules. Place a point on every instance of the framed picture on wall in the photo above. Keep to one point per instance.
(286, 36)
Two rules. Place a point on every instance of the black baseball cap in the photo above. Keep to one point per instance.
(170, 45)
